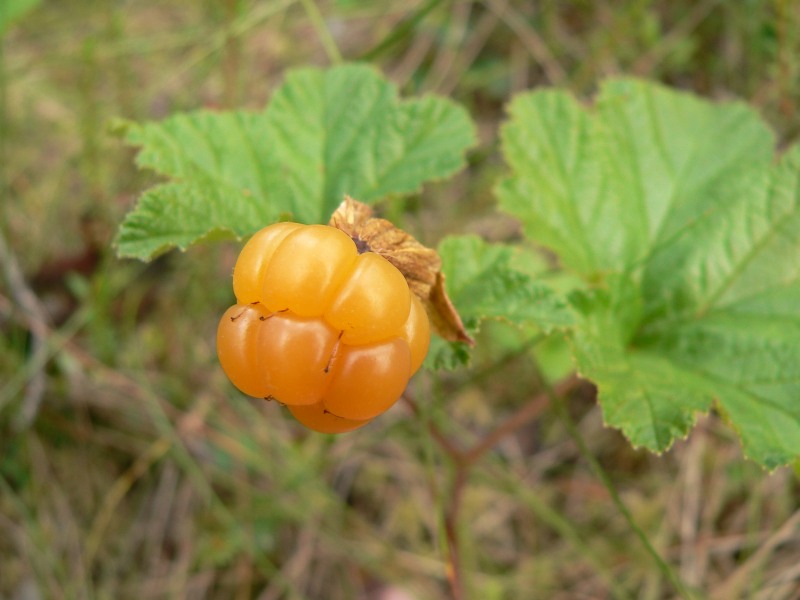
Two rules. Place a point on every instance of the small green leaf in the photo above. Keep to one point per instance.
(483, 283)
(324, 134)
(447, 356)
(687, 236)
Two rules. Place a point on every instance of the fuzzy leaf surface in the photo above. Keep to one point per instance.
(324, 134)
(686, 231)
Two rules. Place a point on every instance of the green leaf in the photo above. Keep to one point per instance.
(602, 188)
(687, 235)
(638, 389)
(324, 134)
(177, 215)
(13, 10)
(735, 316)
(483, 283)
(217, 162)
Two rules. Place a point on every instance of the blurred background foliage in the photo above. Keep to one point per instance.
(130, 468)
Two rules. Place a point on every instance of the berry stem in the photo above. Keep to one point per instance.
(525, 414)
(464, 460)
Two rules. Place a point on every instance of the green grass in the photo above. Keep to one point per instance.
(146, 475)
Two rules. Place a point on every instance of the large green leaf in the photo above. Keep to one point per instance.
(484, 283)
(688, 237)
(324, 134)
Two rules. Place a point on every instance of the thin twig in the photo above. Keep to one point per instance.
(455, 575)
(524, 415)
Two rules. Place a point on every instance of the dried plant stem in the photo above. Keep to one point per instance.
(455, 574)
(524, 415)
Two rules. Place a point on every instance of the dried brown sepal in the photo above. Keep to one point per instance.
(421, 266)
(443, 315)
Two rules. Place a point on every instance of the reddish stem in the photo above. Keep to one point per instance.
(463, 461)
(524, 415)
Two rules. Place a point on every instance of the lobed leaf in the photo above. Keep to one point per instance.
(217, 162)
(323, 135)
(687, 236)
(602, 188)
(737, 321)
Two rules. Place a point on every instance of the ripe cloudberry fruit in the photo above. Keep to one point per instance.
(331, 332)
